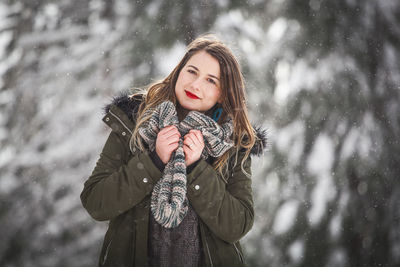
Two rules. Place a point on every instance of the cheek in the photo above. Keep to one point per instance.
(217, 94)
(179, 80)
(183, 79)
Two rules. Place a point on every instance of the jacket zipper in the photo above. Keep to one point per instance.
(126, 127)
(208, 250)
(106, 253)
(238, 252)
(205, 241)
(223, 179)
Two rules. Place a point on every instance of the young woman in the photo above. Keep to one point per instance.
(173, 179)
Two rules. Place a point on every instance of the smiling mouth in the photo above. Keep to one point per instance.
(189, 94)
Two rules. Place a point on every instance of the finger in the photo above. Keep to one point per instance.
(187, 140)
(163, 132)
(190, 135)
(175, 142)
(170, 133)
(186, 149)
(193, 147)
(162, 142)
(172, 139)
(168, 129)
(190, 140)
(188, 143)
(174, 146)
(197, 135)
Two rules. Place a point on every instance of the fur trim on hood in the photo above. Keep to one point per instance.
(131, 105)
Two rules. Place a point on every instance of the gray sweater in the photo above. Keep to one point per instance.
(179, 246)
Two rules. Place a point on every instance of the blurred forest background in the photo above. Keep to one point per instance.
(322, 76)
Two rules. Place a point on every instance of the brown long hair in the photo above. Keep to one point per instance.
(233, 95)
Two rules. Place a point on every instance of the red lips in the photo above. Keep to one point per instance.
(189, 94)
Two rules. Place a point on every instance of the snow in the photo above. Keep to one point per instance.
(321, 157)
(167, 59)
(321, 195)
(285, 217)
(282, 74)
(319, 164)
(291, 138)
(296, 251)
(6, 18)
(56, 77)
(349, 144)
(335, 226)
(123, 8)
(277, 29)
(337, 258)
(5, 39)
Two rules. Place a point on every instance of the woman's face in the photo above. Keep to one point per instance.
(198, 84)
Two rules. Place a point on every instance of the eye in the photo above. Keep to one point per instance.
(191, 71)
(211, 81)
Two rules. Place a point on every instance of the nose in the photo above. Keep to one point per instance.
(196, 84)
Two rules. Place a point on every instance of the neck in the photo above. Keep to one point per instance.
(181, 111)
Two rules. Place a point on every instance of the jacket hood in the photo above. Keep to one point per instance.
(130, 106)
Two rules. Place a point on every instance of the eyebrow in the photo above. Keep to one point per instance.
(207, 74)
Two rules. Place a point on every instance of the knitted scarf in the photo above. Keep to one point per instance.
(169, 203)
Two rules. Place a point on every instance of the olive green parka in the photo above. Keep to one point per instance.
(120, 186)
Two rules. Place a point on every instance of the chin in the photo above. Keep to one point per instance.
(189, 106)
(186, 103)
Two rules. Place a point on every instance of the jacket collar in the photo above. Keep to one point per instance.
(122, 107)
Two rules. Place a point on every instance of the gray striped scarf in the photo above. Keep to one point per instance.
(169, 203)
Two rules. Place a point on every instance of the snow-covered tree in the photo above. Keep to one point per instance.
(60, 63)
(331, 195)
(323, 76)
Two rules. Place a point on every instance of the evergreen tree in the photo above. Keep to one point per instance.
(333, 168)
(60, 62)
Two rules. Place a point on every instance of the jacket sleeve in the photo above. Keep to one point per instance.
(115, 186)
(226, 208)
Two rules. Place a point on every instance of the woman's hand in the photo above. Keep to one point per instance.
(167, 142)
(193, 145)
